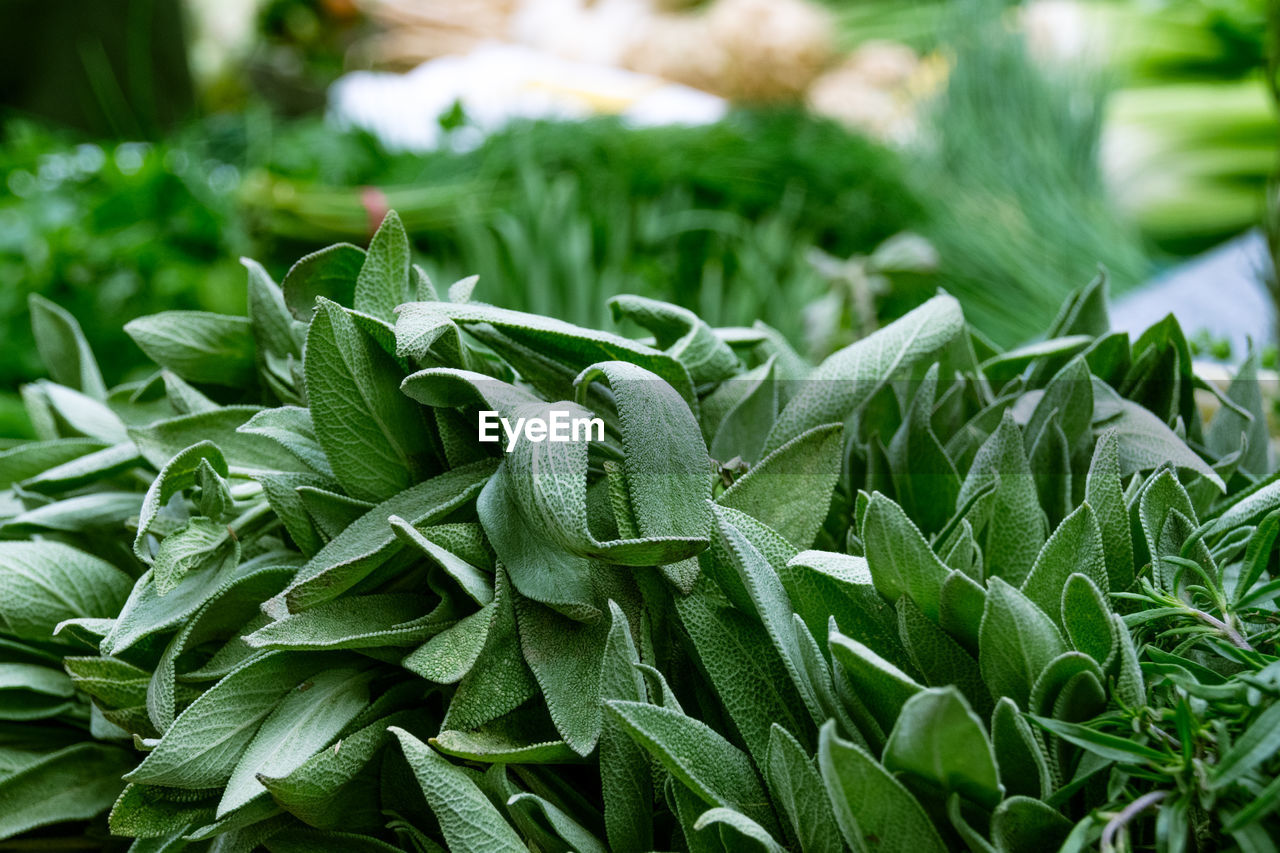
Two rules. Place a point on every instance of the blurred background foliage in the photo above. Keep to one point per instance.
(871, 152)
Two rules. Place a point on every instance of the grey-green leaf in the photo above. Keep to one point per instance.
(1143, 442)
(938, 738)
(850, 377)
(1103, 492)
(1076, 547)
(74, 783)
(302, 724)
(796, 788)
(1009, 520)
(384, 280)
(790, 489)
(1016, 642)
(199, 346)
(718, 772)
(740, 825)
(871, 806)
(203, 746)
(900, 560)
(626, 781)
(468, 820)
(879, 684)
(375, 438)
(64, 349)
(46, 583)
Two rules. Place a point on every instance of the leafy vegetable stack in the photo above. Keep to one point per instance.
(928, 597)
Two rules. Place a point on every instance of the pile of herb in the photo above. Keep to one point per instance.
(921, 596)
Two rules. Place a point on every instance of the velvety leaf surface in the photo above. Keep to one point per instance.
(353, 388)
(467, 818)
(871, 806)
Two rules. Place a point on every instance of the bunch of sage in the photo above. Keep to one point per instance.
(923, 596)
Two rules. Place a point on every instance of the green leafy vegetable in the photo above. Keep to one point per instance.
(329, 616)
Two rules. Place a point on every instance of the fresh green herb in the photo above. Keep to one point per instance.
(921, 596)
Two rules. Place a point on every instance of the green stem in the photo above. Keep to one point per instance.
(250, 521)
(1233, 636)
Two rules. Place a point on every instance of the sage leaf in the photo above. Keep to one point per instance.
(899, 559)
(299, 727)
(1009, 518)
(871, 806)
(790, 489)
(1025, 825)
(384, 281)
(46, 583)
(681, 334)
(937, 737)
(200, 347)
(354, 393)
(1016, 643)
(796, 787)
(567, 658)
(924, 478)
(1076, 547)
(204, 745)
(330, 273)
(739, 824)
(1024, 766)
(560, 824)
(626, 781)
(750, 677)
(883, 686)
(370, 540)
(1104, 494)
(469, 822)
(694, 754)
(75, 783)
(1144, 442)
(64, 349)
(848, 378)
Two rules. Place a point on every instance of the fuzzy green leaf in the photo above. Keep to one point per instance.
(75, 783)
(46, 583)
(203, 746)
(384, 280)
(900, 560)
(871, 806)
(1009, 519)
(790, 489)
(1076, 547)
(796, 788)
(373, 436)
(198, 346)
(470, 822)
(937, 737)
(64, 349)
(850, 377)
(692, 752)
(300, 726)
(1017, 641)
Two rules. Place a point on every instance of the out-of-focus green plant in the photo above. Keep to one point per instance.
(111, 232)
(1191, 132)
(1019, 207)
(555, 216)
